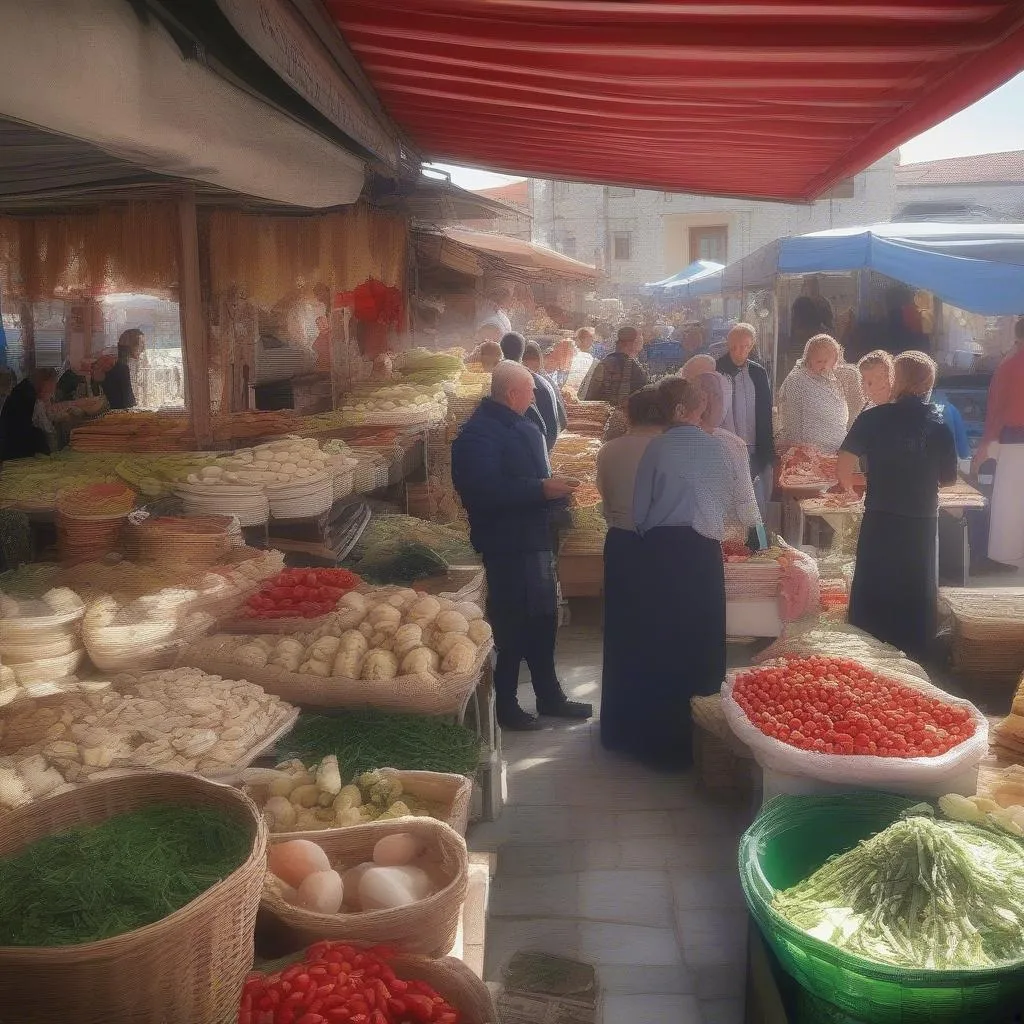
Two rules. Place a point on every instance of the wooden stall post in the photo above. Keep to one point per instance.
(194, 341)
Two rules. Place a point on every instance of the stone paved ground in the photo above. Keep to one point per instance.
(631, 871)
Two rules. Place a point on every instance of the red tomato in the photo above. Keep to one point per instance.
(835, 705)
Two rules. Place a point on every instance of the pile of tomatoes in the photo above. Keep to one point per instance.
(839, 706)
(338, 984)
(300, 593)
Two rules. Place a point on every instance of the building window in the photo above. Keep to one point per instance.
(569, 245)
(709, 244)
(620, 193)
(622, 245)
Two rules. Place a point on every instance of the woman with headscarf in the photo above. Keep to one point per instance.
(742, 515)
(812, 404)
(624, 576)
(684, 486)
(910, 454)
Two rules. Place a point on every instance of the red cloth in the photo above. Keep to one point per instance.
(1005, 397)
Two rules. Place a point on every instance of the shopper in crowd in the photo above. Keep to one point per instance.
(742, 516)
(501, 472)
(488, 355)
(582, 361)
(494, 311)
(1003, 440)
(547, 410)
(25, 428)
(876, 378)
(748, 407)
(618, 375)
(533, 357)
(684, 485)
(623, 718)
(909, 455)
(117, 382)
(811, 404)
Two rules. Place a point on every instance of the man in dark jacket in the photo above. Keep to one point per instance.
(618, 375)
(25, 428)
(501, 472)
(749, 412)
(547, 412)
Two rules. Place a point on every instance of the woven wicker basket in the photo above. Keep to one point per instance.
(452, 792)
(422, 694)
(449, 977)
(188, 967)
(428, 926)
(720, 770)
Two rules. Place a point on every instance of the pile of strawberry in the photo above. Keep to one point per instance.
(339, 984)
(839, 706)
(300, 593)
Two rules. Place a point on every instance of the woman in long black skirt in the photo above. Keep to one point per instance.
(684, 489)
(909, 454)
(625, 578)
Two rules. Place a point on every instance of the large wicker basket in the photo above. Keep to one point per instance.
(188, 967)
(428, 926)
(449, 977)
(453, 792)
(424, 694)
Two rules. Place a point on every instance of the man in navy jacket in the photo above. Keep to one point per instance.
(500, 469)
(546, 410)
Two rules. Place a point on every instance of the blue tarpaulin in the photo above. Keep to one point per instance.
(975, 267)
(689, 282)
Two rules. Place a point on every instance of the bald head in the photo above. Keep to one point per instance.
(512, 385)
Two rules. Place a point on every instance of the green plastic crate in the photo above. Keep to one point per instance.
(792, 838)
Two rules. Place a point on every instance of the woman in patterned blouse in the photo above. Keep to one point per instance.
(812, 405)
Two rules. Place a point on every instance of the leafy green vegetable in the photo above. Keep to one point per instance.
(98, 881)
(364, 740)
(922, 894)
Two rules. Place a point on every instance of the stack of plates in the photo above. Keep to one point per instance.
(248, 503)
(39, 649)
(310, 497)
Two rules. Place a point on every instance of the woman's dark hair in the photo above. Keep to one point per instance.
(129, 341)
(644, 408)
(512, 346)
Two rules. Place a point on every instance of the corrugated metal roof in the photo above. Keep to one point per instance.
(771, 99)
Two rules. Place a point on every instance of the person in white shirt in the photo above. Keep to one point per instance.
(494, 310)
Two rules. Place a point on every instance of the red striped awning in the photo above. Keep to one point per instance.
(772, 99)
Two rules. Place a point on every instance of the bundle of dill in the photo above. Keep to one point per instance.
(134, 869)
(364, 740)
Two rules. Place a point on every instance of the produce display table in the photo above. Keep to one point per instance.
(471, 936)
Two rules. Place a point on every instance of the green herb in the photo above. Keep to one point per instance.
(364, 740)
(98, 881)
(922, 894)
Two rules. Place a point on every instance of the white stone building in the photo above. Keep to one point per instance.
(986, 188)
(638, 236)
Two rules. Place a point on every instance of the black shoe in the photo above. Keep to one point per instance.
(566, 709)
(515, 719)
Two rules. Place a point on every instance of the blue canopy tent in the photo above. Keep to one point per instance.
(975, 267)
(687, 283)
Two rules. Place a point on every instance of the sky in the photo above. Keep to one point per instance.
(991, 125)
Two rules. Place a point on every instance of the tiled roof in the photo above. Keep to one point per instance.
(964, 170)
(516, 193)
